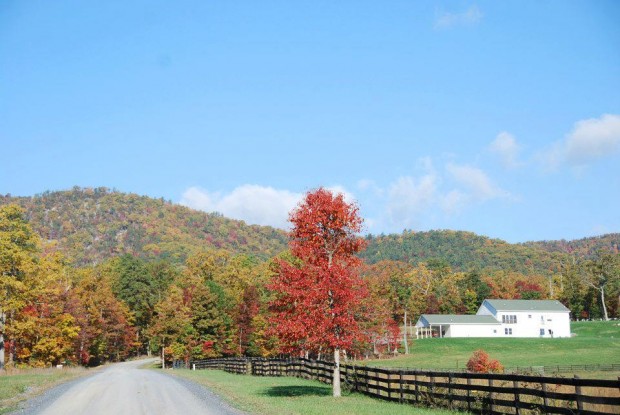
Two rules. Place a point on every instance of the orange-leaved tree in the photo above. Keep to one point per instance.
(318, 293)
(480, 362)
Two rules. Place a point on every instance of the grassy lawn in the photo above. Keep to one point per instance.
(592, 343)
(287, 395)
(21, 384)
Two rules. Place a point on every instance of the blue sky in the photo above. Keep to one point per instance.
(501, 118)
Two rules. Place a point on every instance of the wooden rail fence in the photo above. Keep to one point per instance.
(474, 392)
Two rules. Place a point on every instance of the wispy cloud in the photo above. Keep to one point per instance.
(254, 204)
(408, 197)
(438, 192)
(590, 140)
(593, 138)
(475, 182)
(506, 148)
(469, 17)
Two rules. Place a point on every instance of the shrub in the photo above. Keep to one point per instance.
(480, 362)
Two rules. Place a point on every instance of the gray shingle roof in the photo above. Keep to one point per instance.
(458, 319)
(527, 305)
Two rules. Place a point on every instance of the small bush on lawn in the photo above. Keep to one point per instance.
(480, 362)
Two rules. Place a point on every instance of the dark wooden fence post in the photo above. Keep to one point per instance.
(389, 383)
(578, 394)
(545, 399)
(450, 390)
(417, 387)
(515, 386)
(468, 393)
(491, 407)
(400, 386)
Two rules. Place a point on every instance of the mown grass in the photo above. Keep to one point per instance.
(293, 396)
(21, 384)
(596, 342)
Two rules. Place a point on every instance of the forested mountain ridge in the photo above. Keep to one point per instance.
(91, 225)
(465, 251)
(584, 247)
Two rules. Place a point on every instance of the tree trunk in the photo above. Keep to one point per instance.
(163, 357)
(551, 294)
(336, 378)
(405, 335)
(12, 343)
(603, 303)
(1, 340)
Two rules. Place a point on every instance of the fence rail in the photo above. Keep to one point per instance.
(476, 392)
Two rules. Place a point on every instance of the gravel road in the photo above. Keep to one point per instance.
(123, 388)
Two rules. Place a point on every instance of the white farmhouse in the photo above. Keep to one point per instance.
(501, 318)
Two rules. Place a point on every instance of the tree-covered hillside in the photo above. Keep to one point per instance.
(90, 225)
(466, 251)
(585, 247)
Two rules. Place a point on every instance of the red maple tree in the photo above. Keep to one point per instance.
(319, 292)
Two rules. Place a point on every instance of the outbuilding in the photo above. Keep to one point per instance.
(451, 325)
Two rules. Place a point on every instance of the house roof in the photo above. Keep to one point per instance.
(448, 319)
(527, 305)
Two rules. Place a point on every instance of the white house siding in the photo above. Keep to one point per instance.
(472, 330)
(536, 324)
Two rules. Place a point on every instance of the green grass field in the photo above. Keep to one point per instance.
(593, 343)
(21, 384)
(293, 396)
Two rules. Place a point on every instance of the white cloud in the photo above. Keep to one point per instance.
(468, 17)
(506, 147)
(475, 181)
(348, 196)
(408, 197)
(252, 203)
(454, 201)
(590, 140)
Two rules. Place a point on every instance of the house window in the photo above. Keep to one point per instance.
(542, 332)
(510, 319)
(508, 331)
(494, 331)
(529, 316)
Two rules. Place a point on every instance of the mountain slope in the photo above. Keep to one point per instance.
(585, 247)
(90, 225)
(466, 251)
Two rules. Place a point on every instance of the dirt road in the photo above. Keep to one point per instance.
(123, 388)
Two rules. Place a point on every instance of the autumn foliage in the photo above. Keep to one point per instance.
(480, 362)
(319, 291)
